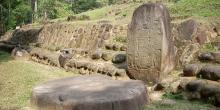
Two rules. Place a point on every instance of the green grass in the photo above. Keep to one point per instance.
(187, 8)
(17, 79)
(203, 8)
(181, 105)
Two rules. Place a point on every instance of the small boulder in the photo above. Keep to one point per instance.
(106, 56)
(83, 71)
(116, 47)
(119, 58)
(18, 52)
(191, 70)
(121, 72)
(109, 46)
(81, 64)
(93, 68)
(216, 56)
(109, 70)
(96, 55)
(206, 57)
(64, 57)
(210, 72)
(123, 48)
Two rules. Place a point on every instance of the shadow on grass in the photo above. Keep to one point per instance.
(4, 56)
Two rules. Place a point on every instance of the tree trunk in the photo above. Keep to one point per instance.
(45, 15)
(34, 9)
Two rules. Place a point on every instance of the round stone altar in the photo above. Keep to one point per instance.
(95, 92)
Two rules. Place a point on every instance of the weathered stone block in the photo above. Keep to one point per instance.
(150, 48)
(95, 92)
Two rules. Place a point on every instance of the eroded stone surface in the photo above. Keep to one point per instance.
(150, 48)
(90, 93)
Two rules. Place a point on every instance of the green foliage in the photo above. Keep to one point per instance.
(15, 12)
(120, 39)
(80, 6)
(209, 47)
(177, 96)
(22, 14)
(47, 9)
(110, 2)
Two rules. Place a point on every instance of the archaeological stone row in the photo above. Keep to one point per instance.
(150, 49)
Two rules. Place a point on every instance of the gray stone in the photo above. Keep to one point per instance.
(216, 56)
(191, 70)
(121, 72)
(64, 57)
(18, 52)
(116, 47)
(193, 89)
(95, 92)
(150, 49)
(106, 56)
(81, 64)
(210, 72)
(187, 29)
(109, 70)
(96, 55)
(206, 57)
(119, 58)
(203, 89)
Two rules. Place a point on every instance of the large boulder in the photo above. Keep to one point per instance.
(94, 92)
(150, 49)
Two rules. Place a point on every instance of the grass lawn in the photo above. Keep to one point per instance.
(181, 105)
(17, 78)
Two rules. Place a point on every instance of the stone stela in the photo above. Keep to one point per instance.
(150, 49)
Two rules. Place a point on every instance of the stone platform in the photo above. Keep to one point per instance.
(95, 92)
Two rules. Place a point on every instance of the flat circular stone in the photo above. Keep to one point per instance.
(95, 92)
